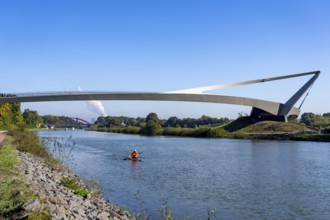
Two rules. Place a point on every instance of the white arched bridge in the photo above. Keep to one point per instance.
(261, 109)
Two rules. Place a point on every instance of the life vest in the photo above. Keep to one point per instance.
(134, 154)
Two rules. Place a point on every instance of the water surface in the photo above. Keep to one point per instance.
(238, 179)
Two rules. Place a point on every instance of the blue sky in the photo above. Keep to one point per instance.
(54, 45)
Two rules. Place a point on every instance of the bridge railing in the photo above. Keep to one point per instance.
(52, 93)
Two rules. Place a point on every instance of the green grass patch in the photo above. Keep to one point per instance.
(73, 184)
(13, 188)
(274, 127)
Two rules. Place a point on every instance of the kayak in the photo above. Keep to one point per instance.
(132, 159)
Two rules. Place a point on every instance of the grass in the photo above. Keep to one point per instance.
(75, 186)
(13, 188)
(26, 141)
(274, 127)
(14, 191)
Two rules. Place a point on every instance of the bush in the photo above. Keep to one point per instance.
(132, 130)
(172, 131)
(202, 132)
(326, 130)
(26, 141)
(219, 132)
(187, 132)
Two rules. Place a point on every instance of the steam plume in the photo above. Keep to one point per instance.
(95, 106)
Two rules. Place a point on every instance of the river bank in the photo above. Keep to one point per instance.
(208, 132)
(62, 202)
(53, 197)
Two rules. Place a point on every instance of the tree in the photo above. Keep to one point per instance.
(114, 121)
(315, 120)
(152, 117)
(171, 122)
(306, 118)
(32, 119)
(5, 115)
(10, 115)
(320, 121)
(152, 124)
(326, 115)
(133, 122)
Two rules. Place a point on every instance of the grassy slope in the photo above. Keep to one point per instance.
(13, 188)
(272, 130)
(274, 127)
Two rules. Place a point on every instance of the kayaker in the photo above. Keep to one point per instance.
(134, 154)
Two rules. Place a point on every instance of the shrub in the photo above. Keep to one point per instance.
(202, 132)
(26, 141)
(172, 131)
(219, 132)
(132, 130)
(75, 186)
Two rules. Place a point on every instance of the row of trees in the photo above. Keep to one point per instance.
(315, 120)
(152, 124)
(11, 117)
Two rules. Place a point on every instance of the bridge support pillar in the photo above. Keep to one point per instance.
(261, 115)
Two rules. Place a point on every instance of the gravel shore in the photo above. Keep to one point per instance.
(61, 202)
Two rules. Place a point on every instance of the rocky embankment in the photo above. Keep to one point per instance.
(61, 202)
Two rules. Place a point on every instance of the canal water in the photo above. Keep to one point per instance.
(237, 179)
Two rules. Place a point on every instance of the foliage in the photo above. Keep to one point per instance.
(170, 131)
(61, 148)
(146, 215)
(10, 115)
(326, 130)
(173, 121)
(110, 121)
(242, 128)
(26, 141)
(75, 186)
(152, 126)
(311, 137)
(315, 120)
(219, 132)
(193, 123)
(13, 188)
(132, 130)
(5, 115)
(61, 122)
(32, 118)
(165, 213)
